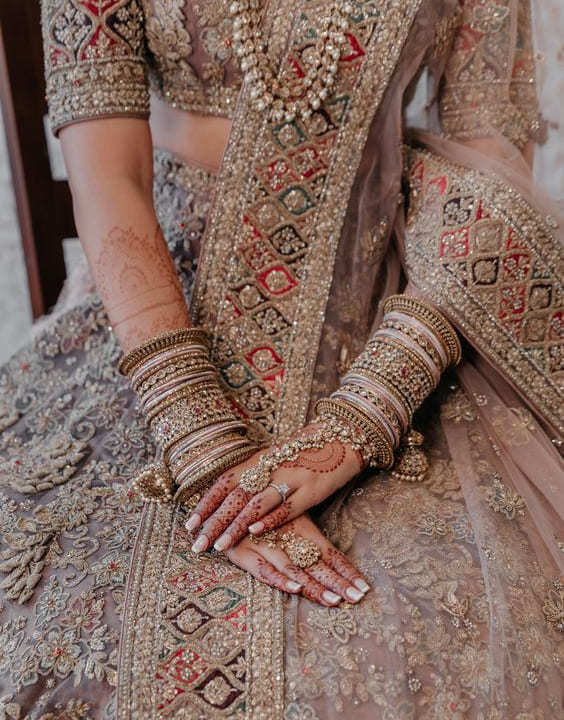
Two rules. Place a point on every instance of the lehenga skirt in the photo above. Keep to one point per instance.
(465, 618)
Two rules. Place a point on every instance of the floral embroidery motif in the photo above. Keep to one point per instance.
(98, 52)
(503, 500)
(553, 607)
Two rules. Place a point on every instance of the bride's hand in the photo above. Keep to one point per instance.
(227, 512)
(328, 581)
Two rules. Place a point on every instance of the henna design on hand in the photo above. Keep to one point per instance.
(277, 517)
(248, 515)
(214, 497)
(270, 575)
(225, 514)
(324, 460)
(329, 578)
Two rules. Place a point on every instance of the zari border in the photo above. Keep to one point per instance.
(137, 661)
(466, 310)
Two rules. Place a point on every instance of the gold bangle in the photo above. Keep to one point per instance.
(159, 343)
(168, 372)
(180, 394)
(432, 318)
(198, 482)
(416, 360)
(381, 449)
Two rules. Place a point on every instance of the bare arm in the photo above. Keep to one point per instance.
(110, 171)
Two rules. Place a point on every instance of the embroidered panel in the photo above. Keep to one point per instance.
(193, 67)
(490, 80)
(263, 297)
(94, 59)
(264, 278)
(492, 263)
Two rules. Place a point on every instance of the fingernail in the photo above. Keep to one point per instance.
(256, 528)
(200, 545)
(354, 594)
(293, 586)
(363, 586)
(193, 522)
(331, 598)
(223, 542)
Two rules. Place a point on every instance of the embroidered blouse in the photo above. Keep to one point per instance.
(105, 57)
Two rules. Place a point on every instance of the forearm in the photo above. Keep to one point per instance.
(112, 194)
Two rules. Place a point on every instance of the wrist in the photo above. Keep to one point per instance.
(401, 365)
(195, 428)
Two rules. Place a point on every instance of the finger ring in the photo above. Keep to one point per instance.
(282, 489)
(255, 479)
(303, 552)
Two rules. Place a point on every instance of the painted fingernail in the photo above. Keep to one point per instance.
(223, 542)
(331, 598)
(363, 586)
(200, 545)
(256, 528)
(354, 594)
(293, 587)
(193, 522)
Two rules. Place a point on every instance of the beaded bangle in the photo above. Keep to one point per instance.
(379, 448)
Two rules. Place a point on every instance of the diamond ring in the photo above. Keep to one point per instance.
(282, 490)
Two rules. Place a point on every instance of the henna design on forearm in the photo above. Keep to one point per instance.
(138, 283)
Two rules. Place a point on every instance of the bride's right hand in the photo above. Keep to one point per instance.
(329, 581)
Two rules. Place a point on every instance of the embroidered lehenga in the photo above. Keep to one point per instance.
(307, 228)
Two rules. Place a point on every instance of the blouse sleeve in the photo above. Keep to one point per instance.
(94, 60)
(489, 79)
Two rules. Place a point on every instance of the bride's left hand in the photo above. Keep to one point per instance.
(227, 512)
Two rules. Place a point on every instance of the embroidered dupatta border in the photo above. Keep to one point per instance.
(477, 305)
(264, 697)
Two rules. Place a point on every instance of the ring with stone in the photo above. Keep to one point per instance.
(303, 552)
(282, 489)
(255, 479)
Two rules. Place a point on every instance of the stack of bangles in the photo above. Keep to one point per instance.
(198, 435)
(400, 366)
(373, 408)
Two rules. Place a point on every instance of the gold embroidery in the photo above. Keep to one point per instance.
(462, 221)
(553, 607)
(503, 500)
(490, 76)
(94, 60)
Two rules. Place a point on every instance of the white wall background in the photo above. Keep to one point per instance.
(15, 311)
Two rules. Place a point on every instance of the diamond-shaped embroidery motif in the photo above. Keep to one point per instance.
(296, 200)
(217, 691)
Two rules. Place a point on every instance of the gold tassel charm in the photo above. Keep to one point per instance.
(411, 462)
(154, 484)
